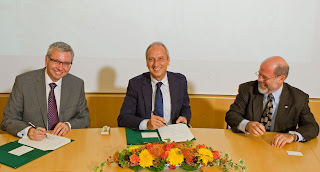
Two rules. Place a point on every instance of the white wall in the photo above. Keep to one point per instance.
(217, 44)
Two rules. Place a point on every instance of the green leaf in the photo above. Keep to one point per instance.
(241, 162)
(168, 140)
(95, 168)
(187, 167)
(160, 166)
(136, 168)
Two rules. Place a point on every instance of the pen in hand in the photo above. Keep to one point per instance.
(33, 126)
(158, 115)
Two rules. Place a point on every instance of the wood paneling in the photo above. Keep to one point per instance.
(208, 111)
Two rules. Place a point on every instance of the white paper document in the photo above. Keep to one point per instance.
(294, 153)
(51, 142)
(175, 132)
(20, 150)
(149, 134)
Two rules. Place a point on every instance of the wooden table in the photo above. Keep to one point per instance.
(90, 148)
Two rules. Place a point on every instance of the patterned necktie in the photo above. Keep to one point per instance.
(53, 118)
(267, 113)
(158, 105)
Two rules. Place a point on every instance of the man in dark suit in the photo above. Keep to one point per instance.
(50, 98)
(170, 102)
(269, 104)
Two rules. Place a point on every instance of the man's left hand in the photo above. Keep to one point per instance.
(182, 119)
(61, 129)
(281, 139)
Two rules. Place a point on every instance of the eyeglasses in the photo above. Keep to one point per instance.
(57, 62)
(263, 77)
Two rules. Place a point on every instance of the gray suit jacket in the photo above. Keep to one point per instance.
(27, 103)
(137, 103)
(293, 110)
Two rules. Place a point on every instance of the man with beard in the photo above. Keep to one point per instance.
(269, 104)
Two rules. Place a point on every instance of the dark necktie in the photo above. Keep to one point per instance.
(158, 105)
(267, 113)
(53, 118)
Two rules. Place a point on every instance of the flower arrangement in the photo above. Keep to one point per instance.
(157, 156)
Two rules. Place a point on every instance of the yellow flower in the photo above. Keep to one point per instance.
(146, 159)
(132, 148)
(175, 156)
(205, 155)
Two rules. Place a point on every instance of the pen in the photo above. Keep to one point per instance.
(33, 126)
(158, 115)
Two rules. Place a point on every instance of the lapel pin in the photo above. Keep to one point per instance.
(286, 107)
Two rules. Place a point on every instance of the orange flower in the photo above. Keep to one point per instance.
(134, 159)
(116, 157)
(216, 154)
(156, 150)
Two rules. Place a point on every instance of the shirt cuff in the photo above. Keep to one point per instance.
(68, 124)
(300, 137)
(24, 133)
(143, 124)
(242, 126)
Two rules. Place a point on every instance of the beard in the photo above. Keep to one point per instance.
(268, 88)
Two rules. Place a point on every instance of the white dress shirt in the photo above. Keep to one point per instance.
(166, 101)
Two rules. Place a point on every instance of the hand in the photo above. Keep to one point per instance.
(255, 128)
(34, 134)
(60, 129)
(182, 119)
(155, 122)
(281, 139)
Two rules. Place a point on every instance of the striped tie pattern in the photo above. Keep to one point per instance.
(53, 118)
(267, 113)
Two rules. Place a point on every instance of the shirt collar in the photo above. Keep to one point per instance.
(164, 80)
(48, 79)
(276, 94)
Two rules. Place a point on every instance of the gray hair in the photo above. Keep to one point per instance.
(60, 46)
(281, 70)
(158, 43)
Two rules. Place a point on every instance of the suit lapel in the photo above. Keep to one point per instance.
(40, 87)
(147, 94)
(283, 107)
(66, 90)
(173, 86)
(257, 104)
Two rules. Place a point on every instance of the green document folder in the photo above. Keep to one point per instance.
(15, 161)
(135, 138)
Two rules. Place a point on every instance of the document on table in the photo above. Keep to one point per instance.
(51, 142)
(175, 132)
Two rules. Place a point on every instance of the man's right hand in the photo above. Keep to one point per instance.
(34, 134)
(255, 128)
(155, 122)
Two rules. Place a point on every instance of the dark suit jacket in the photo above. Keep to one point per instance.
(28, 103)
(293, 110)
(137, 103)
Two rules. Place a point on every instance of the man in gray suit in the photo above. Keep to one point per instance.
(50, 98)
(269, 104)
(158, 85)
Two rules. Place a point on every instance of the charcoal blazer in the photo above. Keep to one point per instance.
(28, 103)
(293, 110)
(137, 104)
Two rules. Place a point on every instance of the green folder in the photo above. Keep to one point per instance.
(15, 161)
(135, 138)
